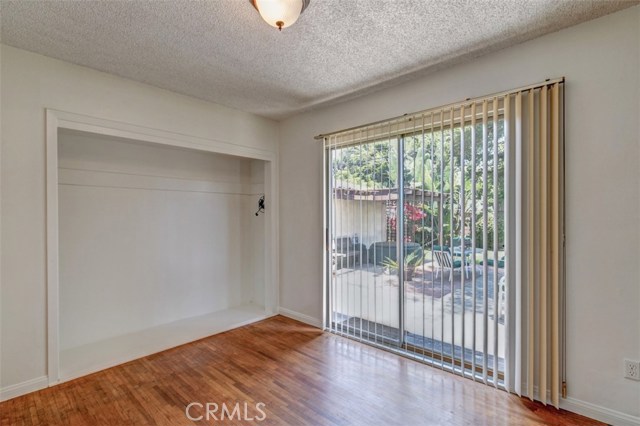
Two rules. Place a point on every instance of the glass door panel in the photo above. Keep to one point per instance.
(364, 293)
(454, 233)
(416, 227)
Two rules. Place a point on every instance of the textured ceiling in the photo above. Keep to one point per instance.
(223, 52)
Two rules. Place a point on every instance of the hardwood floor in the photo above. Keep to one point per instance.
(302, 375)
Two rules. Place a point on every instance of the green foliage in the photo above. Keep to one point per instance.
(435, 162)
(367, 166)
(413, 259)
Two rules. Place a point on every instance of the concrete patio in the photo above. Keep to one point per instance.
(369, 295)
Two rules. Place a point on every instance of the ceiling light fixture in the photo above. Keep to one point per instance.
(280, 13)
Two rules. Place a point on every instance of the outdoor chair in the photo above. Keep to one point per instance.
(444, 260)
(502, 294)
(490, 262)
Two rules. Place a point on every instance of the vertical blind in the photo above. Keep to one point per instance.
(544, 242)
(444, 237)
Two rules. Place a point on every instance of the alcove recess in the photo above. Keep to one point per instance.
(158, 246)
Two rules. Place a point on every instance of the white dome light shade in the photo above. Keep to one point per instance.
(280, 13)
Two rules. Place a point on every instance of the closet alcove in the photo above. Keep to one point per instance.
(157, 246)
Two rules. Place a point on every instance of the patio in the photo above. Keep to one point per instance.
(366, 296)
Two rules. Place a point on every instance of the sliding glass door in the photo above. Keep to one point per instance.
(415, 224)
(364, 293)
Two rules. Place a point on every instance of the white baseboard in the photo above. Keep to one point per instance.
(24, 388)
(300, 317)
(587, 409)
(598, 412)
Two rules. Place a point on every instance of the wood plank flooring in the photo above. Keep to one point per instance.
(302, 376)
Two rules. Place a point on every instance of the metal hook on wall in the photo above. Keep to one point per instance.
(260, 205)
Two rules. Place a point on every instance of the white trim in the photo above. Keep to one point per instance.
(85, 123)
(119, 180)
(307, 319)
(53, 322)
(325, 236)
(587, 409)
(56, 120)
(598, 412)
(23, 388)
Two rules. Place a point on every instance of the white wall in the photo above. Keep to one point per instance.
(600, 60)
(31, 83)
(253, 256)
(149, 235)
(350, 215)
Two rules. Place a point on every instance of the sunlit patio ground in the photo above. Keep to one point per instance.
(432, 310)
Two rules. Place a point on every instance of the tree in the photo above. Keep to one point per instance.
(433, 162)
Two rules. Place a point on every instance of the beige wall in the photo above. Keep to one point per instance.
(600, 62)
(31, 83)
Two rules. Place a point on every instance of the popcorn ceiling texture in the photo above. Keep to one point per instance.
(221, 51)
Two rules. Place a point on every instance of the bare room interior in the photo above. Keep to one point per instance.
(320, 212)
